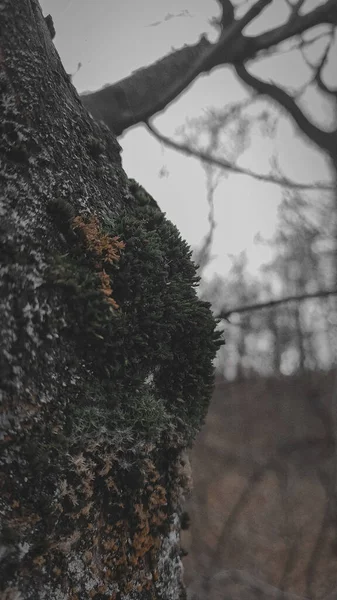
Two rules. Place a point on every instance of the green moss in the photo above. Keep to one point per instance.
(174, 333)
(90, 315)
(142, 196)
(147, 414)
(161, 329)
(95, 147)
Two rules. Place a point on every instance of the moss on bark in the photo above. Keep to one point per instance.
(106, 351)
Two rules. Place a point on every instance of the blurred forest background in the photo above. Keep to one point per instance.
(263, 510)
(264, 466)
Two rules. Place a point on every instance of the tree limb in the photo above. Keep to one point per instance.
(318, 68)
(323, 139)
(225, 164)
(149, 90)
(271, 303)
(295, 8)
(324, 14)
(227, 13)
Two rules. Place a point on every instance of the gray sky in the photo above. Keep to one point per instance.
(112, 38)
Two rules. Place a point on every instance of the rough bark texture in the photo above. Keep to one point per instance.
(106, 352)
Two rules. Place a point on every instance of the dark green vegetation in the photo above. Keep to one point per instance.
(138, 320)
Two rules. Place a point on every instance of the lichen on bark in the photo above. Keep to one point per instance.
(106, 351)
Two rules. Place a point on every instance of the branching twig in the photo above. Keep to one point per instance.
(150, 90)
(318, 68)
(224, 164)
(297, 45)
(207, 58)
(138, 105)
(204, 253)
(271, 303)
(323, 139)
(295, 8)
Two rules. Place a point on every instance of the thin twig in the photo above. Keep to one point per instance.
(225, 164)
(271, 303)
(325, 140)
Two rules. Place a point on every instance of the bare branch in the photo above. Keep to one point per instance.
(295, 8)
(102, 103)
(203, 257)
(271, 303)
(169, 16)
(324, 14)
(216, 119)
(297, 45)
(322, 139)
(318, 76)
(227, 16)
(318, 68)
(150, 90)
(225, 164)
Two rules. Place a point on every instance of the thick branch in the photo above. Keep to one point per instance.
(227, 13)
(225, 164)
(271, 303)
(149, 90)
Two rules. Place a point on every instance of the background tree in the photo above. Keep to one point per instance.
(292, 336)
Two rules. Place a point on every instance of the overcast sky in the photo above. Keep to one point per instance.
(112, 38)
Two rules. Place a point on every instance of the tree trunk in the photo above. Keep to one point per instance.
(106, 352)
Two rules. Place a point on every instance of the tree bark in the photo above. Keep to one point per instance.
(106, 352)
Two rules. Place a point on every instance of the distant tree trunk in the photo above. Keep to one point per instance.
(105, 354)
(333, 158)
(276, 346)
(299, 338)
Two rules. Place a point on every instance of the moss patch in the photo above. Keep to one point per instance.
(130, 286)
